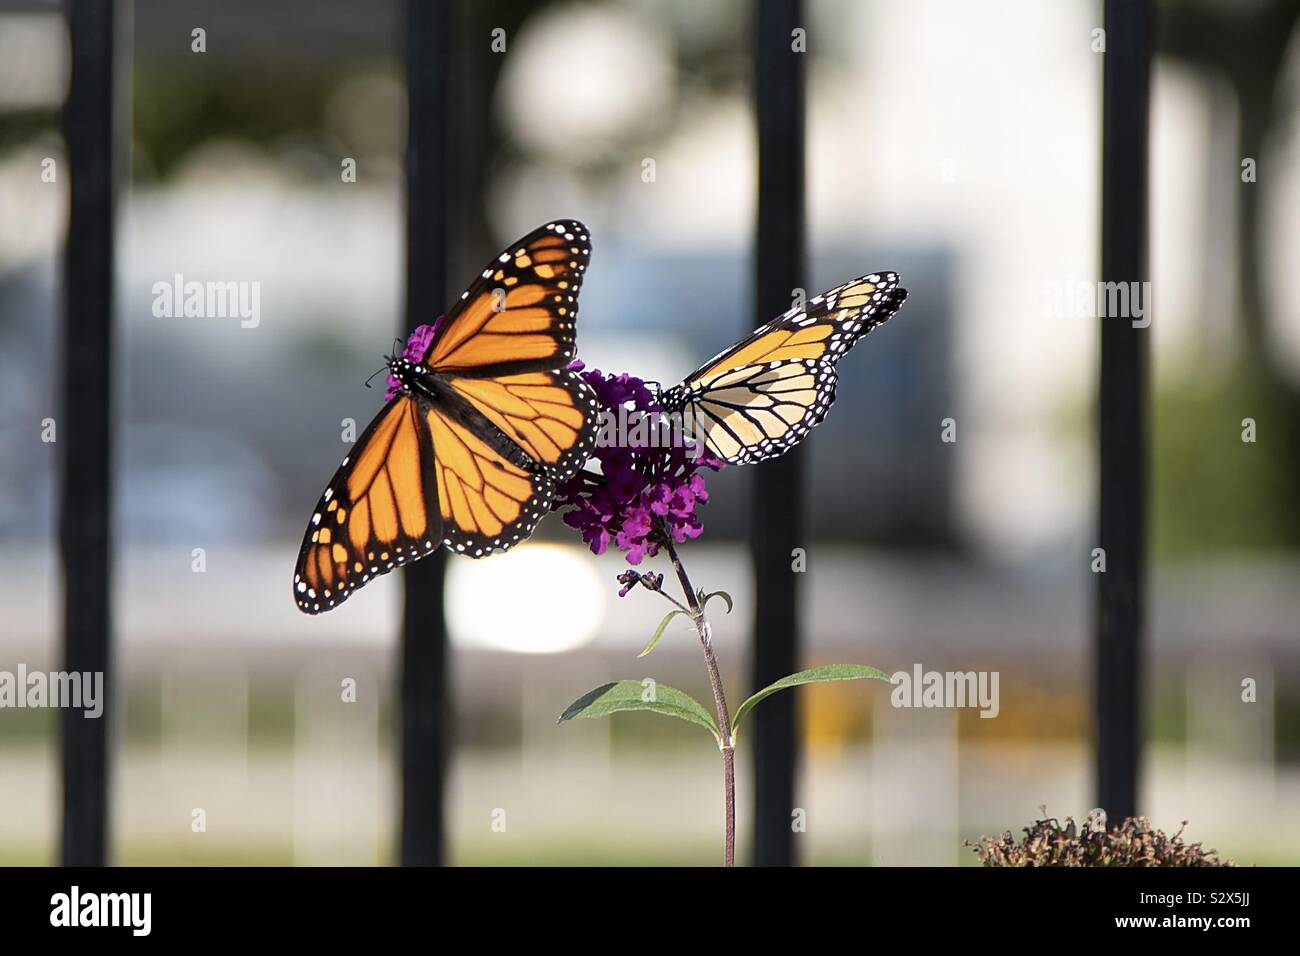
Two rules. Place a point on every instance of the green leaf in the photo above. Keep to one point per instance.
(659, 631)
(630, 695)
(813, 676)
(704, 598)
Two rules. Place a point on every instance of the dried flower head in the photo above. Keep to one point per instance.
(646, 490)
(1133, 843)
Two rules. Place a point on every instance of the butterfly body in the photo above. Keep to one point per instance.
(482, 421)
(762, 396)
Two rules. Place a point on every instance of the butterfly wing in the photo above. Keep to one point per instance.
(490, 503)
(552, 416)
(762, 396)
(478, 472)
(379, 511)
(421, 477)
(519, 314)
(502, 351)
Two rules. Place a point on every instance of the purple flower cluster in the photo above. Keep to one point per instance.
(417, 344)
(645, 493)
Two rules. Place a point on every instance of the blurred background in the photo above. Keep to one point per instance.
(955, 143)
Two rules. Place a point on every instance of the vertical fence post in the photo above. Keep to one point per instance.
(85, 517)
(425, 706)
(776, 525)
(1122, 408)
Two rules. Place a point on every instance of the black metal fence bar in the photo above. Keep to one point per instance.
(776, 526)
(1122, 408)
(425, 706)
(85, 429)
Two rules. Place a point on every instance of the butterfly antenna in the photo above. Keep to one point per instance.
(379, 372)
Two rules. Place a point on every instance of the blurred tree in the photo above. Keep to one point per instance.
(1207, 499)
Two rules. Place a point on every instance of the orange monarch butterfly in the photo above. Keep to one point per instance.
(483, 420)
(762, 396)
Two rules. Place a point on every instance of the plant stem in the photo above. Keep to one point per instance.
(719, 701)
